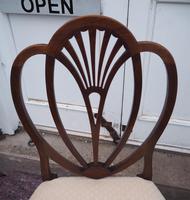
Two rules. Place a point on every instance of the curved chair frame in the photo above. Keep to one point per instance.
(89, 84)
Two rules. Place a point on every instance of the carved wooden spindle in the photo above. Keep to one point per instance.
(105, 41)
(80, 42)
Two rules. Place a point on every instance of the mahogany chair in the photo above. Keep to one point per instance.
(94, 79)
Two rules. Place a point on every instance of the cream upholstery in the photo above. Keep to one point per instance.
(111, 188)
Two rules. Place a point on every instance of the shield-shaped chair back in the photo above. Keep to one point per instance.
(92, 77)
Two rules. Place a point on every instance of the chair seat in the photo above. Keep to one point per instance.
(82, 188)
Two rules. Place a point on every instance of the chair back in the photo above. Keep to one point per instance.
(92, 77)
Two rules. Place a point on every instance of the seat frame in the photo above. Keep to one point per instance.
(89, 84)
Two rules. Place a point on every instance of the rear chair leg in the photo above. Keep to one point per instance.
(147, 171)
(45, 168)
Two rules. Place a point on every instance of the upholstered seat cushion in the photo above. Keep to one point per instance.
(81, 188)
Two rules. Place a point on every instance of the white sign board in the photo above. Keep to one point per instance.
(51, 7)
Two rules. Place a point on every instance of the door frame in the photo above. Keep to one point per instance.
(9, 119)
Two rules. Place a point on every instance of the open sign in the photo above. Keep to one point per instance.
(29, 6)
(52, 7)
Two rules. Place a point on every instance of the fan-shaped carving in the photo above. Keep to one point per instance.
(92, 76)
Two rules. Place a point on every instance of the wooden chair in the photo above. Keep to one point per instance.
(91, 82)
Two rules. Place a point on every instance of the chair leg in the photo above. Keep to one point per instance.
(147, 171)
(45, 168)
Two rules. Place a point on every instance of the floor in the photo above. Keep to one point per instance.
(20, 186)
(169, 168)
(20, 163)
